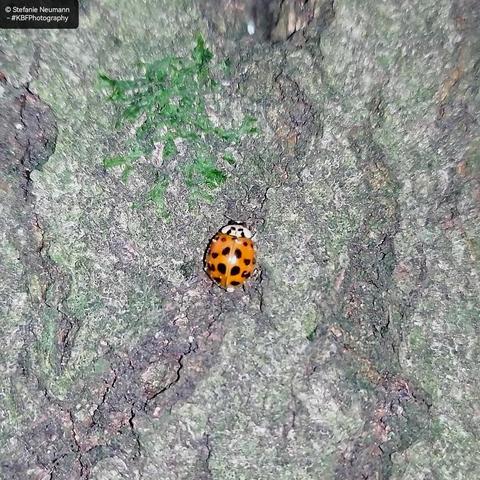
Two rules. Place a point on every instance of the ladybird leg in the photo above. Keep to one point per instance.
(256, 274)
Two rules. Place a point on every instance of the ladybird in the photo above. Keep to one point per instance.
(230, 258)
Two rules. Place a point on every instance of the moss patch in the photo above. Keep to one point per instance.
(167, 103)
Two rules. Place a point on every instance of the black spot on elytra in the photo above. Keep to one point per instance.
(223, 239)
(235, 270)
(245, 274)
(214, 255)
(226, 251)
(222, 268)
(234, 284)
(217, 279)
(238, 253)
(245, 244)
(211, 267)
(247, 261)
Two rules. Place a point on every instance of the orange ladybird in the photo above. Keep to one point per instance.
(230, 257)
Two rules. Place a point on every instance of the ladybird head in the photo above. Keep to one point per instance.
(237, 230)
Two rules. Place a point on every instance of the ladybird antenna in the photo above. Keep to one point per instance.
(230, 219)
(244, 223)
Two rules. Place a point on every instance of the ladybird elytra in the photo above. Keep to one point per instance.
(230, 257)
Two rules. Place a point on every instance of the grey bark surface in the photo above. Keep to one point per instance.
(354, 352)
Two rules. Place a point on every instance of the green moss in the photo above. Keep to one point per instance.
(473, 158)
(202, 173)
(429, 454)
(166, 102)
(46, 358)
(416, 338)
(45, 347)
(311, 335)
(9, 402)
(157, 195)
(229, 158)
(385, 61)
(310, 325)
(10, 256)
(101, 366)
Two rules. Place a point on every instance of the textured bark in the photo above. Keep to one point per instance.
(354, 352)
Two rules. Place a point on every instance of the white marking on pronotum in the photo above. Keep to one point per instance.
(237, 231)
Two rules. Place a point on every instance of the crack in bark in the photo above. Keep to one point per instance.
(366, 313)
(84, 472)
(134, 432)
(208, 447)
(68, 335)
(214, 320)
(26, 157)
(365, 452)
(177, 375)
(37, 139)
(109, 387)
